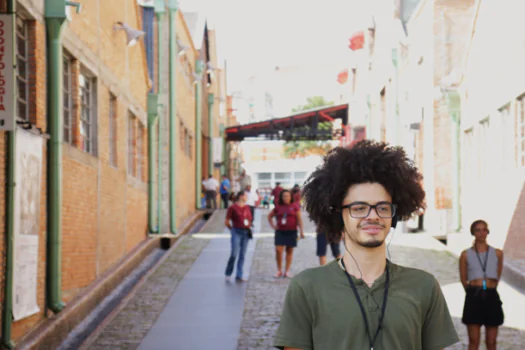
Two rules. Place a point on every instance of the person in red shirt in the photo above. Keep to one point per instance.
(288, 216)
(296, 194)
(238, 220)
(276, 193)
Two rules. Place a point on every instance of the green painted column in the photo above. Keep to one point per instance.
(453, 102)
(55, 15)
(199, 65)
(153, 221)
(224, 165)
(160, 10)
(211, 99)
(7, 310)
(173, 7)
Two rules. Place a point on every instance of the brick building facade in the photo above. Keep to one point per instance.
(105, 86)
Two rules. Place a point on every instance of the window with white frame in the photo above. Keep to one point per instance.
(520, 132)
(67, 99)
(86, 88)
(22, 69)
(113, 130)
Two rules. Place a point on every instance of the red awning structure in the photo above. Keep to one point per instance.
(314, 124)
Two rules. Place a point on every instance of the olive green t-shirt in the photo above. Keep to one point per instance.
(321, 312)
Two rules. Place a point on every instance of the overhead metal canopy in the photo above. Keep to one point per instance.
(313, 124)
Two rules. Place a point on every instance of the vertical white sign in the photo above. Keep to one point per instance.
(7, 73)
(217, 150)
(26, 223)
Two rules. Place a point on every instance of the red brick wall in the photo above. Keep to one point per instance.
(104, 211)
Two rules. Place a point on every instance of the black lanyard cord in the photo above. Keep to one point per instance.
(483, 265)
(362, 308)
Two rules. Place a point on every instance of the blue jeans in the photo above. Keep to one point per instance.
(239, 241)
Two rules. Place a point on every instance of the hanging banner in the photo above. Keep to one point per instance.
(7, 73)
(26, 223)
(217, 150)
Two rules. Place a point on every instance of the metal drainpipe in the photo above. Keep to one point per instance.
(211, 99)
(55, 16)
(7, 312)
(173, 6)
(152, 119)
(159, 12)
(198, 134)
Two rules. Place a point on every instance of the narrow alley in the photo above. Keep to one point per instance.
(186, 304)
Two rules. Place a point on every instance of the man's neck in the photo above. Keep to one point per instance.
(371, 262)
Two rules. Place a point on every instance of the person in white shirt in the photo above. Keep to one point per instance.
(251, 199)
(211, 186)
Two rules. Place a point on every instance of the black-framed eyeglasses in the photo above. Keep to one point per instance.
(360, 210)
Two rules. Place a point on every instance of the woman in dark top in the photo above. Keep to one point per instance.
(480, 270)
(288, 216)
(238, 220)
(296, 195)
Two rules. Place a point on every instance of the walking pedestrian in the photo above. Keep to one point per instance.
(238, 221)
(296, 194)
(244, 180)
(225, 190)
(364, 301)
(251, 200)
(275, 193)
(288, 216)
(480, 270)
(322, 245)
(211, 186)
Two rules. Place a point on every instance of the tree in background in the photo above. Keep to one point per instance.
(298, 149)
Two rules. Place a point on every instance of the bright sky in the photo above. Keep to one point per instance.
(254, 35)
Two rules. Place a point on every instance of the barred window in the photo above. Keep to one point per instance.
(113, 130)
(139, 152)
(67, 100)
(86, 85)
(22, 71)
(131, 144)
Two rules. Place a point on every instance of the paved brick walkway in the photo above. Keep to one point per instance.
(131, 325)
(265, 295)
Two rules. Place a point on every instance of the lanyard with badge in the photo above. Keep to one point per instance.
(371, 340)
(246, 222)
(483, 266)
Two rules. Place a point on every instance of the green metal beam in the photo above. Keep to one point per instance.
(211, 99)
(7, 312)
(173, 6)
(55, 14)
(198, 133)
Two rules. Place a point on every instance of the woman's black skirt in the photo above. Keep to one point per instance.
(287, 238)
(483, 307)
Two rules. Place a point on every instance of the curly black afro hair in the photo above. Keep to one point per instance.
(366, 162)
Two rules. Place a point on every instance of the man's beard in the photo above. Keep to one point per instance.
(371, 244)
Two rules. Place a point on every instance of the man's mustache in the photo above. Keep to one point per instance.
(371, 224)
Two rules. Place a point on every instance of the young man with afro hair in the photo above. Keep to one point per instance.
(364, 301)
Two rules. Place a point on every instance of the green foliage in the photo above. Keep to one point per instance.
(299, 149)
